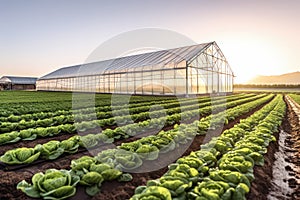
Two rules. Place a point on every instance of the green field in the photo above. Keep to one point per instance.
(73, 152)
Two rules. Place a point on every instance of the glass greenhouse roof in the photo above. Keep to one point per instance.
(133, 62)
(18, 80)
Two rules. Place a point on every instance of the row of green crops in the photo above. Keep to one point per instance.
(61, 117)
(104, 107)
(90, 169)
(32, 134)
(25, 102)
(296, 98)
(54, 149)
(136, 114)
(81, 115)
(223, 168)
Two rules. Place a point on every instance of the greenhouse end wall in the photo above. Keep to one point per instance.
(206, 72)
(209, 72)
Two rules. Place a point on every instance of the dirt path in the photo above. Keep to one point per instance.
(290, 150)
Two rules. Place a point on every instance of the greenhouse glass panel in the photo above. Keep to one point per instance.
(196, 69)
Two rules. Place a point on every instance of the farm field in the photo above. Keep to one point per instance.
(239, 146)
(283, 90)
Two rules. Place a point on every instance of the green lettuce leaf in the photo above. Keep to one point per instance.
(20, 156)
(54, 184)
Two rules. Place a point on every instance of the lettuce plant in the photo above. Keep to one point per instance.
(93, 181)
(86, 125)
(184, 171)
(20, 156)
(53, 130)
(215, 190)
(164, 144)
(148, 152)
(193, 162)
(44, 122)
(92, 174)
(13, 118)
(54, 184)
(107, 171)
(106, 156)
(152, 192)
(41, 132)
(10, 137)
(236, 162)
(82, 165)
(67, 128)
(104, 138)
(28, 134)
(50, 150)
(127, 160)
(7, 127)
(26, 124)
(231, 177)
(131, 146)
(88, 141)
(60, 119)
(177, 186)
(70, 145)
(120, 158)
(96, 174)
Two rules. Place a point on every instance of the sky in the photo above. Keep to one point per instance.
(257, 37)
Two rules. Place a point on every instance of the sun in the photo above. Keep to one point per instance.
(252, 56)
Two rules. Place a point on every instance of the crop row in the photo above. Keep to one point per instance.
(295, 97)
(41, 110)
(91, 171)
(68, 117)
(46, 119)
(66, 103)
(223, 168)
(103, 110)
(54, 149)
(104, 106)
(32, 134)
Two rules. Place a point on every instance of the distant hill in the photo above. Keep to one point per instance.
(290, 78)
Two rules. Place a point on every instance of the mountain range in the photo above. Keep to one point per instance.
(289, 78)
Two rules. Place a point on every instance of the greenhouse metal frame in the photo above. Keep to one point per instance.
(196, 69)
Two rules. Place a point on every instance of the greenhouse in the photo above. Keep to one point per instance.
(17, 83)
(196, 69)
